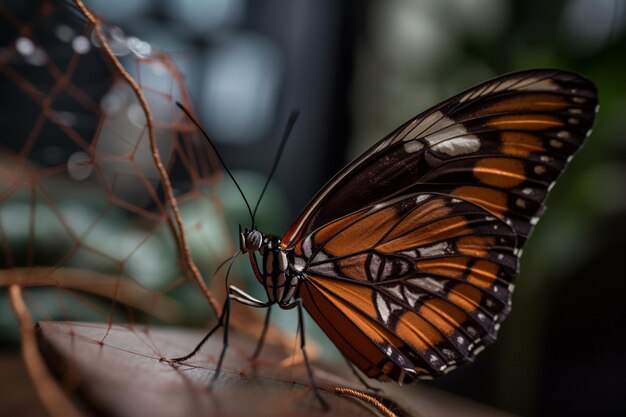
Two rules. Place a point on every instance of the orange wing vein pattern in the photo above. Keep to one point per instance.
(410, 253)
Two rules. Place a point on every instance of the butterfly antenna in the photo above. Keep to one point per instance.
(220, 266)
(290, 122)
(232, 261)
(206, 136)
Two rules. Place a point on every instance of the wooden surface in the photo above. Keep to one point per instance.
(121, 372)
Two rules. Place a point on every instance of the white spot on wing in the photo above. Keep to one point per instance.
(479, 349)
(410, 253)
(411, 296)
(434, 250)
(382, 308)
(413, 146)
(421, 198)
(458, 146)
(299, 264)
(374, 267)
(521, 203)
(428, 284)
(319, 257)
(471, 330)
(539, 169)
(449, 369)
(446, 136)
(563, 134)
(395, 290)
(387, 270)
(556, 143)
(306, 247)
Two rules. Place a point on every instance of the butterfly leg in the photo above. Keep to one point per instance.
(309, 369)
(247, 299)
(219, 324)
(238, 295)
(259, 345)
(225, 344)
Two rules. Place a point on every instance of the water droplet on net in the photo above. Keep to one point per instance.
(24, 46)
(79, 166)
(81, 45)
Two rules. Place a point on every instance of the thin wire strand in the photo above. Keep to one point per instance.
(180, 236)
(364, 396)
(290, 123)
(206, 136)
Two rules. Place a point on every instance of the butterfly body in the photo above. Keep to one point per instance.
(276, 271)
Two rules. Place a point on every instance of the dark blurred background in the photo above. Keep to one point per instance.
(358, 69)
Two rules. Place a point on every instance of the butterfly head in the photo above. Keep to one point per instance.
(250, 240)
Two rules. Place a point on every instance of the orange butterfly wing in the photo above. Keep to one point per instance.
(426, 278)
(411, 251)
(501, 144)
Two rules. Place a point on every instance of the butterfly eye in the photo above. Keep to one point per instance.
(253, 240)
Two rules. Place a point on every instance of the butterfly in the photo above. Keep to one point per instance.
(407, 258)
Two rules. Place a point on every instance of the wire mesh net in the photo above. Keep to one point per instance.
(90, 225)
